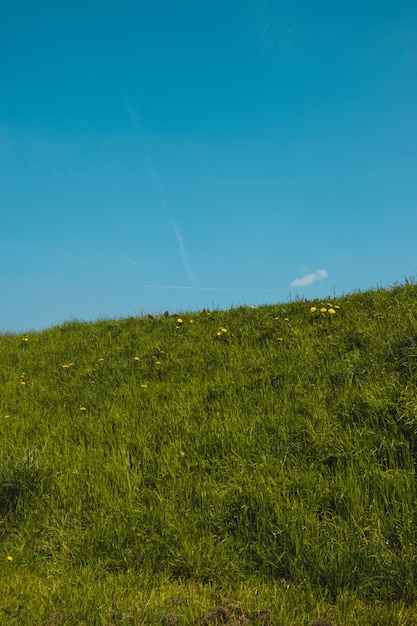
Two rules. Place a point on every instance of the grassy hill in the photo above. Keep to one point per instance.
(250, 466)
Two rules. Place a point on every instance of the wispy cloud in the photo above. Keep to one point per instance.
(276, 29)
(396, 47)
(183, 251)
(132, 114)
(309, 279)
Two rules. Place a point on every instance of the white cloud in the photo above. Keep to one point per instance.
(309, 279)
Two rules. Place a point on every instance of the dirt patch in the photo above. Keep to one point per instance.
(170, 620)
(232, 615)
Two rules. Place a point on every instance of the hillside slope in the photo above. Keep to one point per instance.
(277, 442)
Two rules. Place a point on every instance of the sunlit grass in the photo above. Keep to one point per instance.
(259, 456)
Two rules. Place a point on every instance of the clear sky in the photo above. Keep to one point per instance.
(160, 155)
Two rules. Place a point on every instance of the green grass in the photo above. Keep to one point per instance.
(250, 466)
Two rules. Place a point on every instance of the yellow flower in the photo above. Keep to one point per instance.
(179, 321)
(25, 339)
(336, 306)
(313, 309)
(136, 358)
(286, 319)
(82, 408)
(329, 304)
(223, 330)
(331, 311)
(67, 365)
(280, 339)
(144, 386)
(219, 334)
(191, 321)
(6, 417)
(9, 558)
(101, 360)
(157, 362)
(23, 382)
(323, 310)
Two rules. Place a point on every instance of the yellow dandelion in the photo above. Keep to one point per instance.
(6, 417)
(323, 310)
(331, 311)
(276, 318)
(25, 339)
(136, 358)
(280, 339)
(82, 408)
(329, 304)
(157, 362)
(179, 321)
(223, 330)
(191, 321)
(9, 558)
(286, 319)
(336, 306)
(101, 359)
(23, 374)
(219, 334)
(144, 386)
(313, 309)
(23, 382)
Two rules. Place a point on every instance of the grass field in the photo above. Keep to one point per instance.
(250, 466)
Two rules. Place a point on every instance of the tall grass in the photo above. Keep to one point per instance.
(262, 453)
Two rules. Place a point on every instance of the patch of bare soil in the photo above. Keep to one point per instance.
(232, 615)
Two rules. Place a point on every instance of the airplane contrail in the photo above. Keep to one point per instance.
(215, 289)
(131, 260)
(183, 251)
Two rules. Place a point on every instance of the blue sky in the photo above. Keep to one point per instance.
(185, 155)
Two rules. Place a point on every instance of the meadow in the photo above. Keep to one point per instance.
(255, 466)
